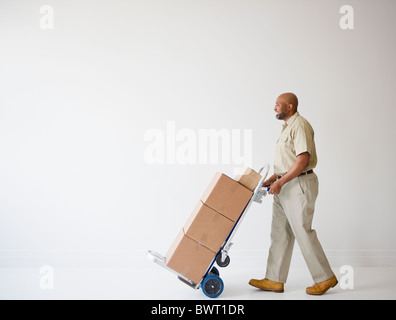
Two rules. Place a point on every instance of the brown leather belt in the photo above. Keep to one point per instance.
(302, 174)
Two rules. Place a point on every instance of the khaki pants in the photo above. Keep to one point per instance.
(293, 210)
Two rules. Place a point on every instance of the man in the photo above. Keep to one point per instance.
(295, 188)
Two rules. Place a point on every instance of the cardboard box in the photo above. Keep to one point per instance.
(208, 227)
(226, 196)
(189, 258)
(248, 178)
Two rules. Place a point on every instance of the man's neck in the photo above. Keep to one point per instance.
(289, 116)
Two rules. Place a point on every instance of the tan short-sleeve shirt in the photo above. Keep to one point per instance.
(297, 137)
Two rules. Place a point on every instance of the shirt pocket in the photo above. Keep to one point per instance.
(283, 139)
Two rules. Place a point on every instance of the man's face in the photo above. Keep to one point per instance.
(280, 109)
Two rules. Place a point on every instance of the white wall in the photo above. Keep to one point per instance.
(76, 102)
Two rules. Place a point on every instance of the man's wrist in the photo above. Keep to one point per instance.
(281, 181)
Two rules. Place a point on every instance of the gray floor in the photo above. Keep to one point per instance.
(154, 282)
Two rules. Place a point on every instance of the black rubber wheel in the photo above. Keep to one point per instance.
(224, 263)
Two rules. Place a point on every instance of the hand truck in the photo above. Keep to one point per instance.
(211, 283)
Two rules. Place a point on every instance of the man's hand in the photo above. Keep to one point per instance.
(275, 188)
(270, 181)
(274, 184)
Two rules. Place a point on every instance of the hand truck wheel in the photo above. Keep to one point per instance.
(212, 286)
(224, 263)
(214, 271)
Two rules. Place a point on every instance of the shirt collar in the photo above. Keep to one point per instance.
(290, 121)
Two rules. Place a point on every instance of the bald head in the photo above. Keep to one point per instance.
(290, 98)
(286, 106)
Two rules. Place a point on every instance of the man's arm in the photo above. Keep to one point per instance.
(297, 168)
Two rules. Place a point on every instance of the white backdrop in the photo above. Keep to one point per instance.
(77, 100)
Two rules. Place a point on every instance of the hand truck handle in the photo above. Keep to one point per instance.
(264, 175)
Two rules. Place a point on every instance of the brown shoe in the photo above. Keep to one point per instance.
(267, 285)
(321, 287)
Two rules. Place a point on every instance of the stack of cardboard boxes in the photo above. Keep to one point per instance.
(210, 223)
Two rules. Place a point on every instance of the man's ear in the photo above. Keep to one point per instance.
(290, 107)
